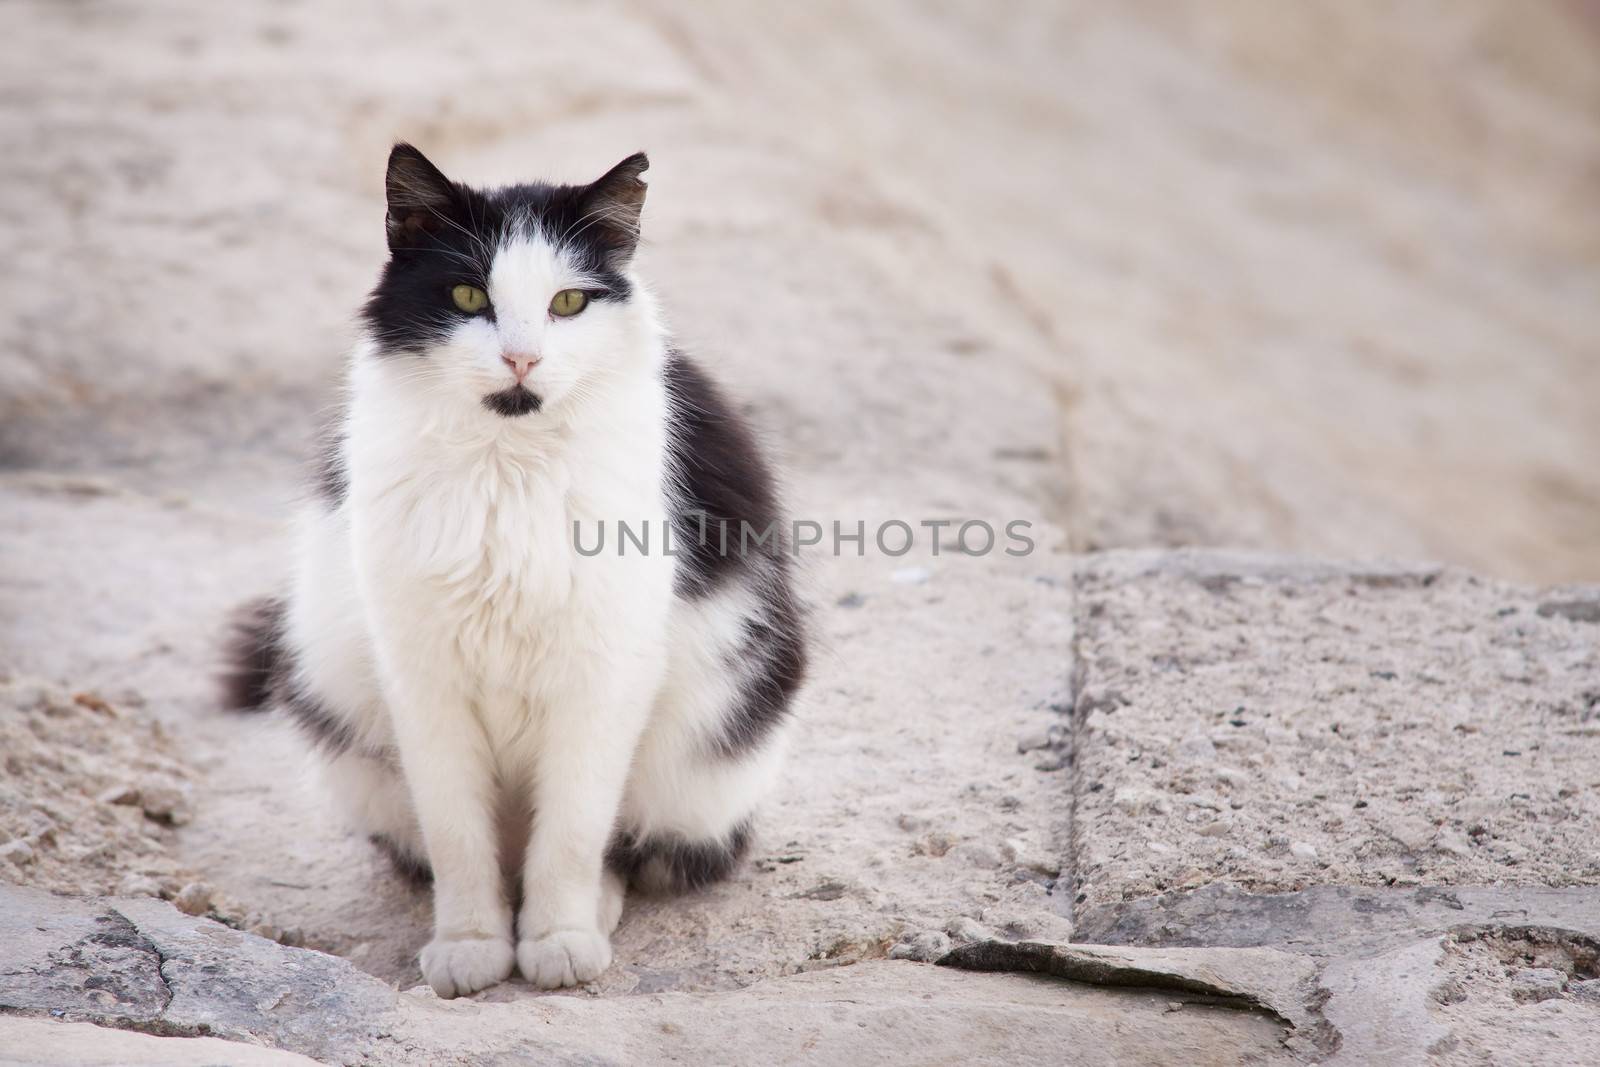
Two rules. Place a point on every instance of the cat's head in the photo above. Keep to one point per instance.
(512, 299)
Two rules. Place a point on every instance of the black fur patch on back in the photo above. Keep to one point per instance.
(773, 658)
(724, 482)
(672, 864)
(725, 489)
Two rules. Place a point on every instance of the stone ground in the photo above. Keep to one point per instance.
(1145, 277)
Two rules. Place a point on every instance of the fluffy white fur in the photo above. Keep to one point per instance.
(485, 665)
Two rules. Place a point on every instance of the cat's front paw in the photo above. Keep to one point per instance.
(564, 957)
(455, 967)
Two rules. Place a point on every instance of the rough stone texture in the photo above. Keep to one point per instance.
(1379, 1004)
(88, 790)
(140, 962)
(1482, 991)
(1388, 769)
(1325, 920)
(1278, 724)
(64, 956)
(1521, 998)
(1455, 975)
(233, 984)
(873, 1012)
(196, 977)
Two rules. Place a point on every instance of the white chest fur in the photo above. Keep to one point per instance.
(463, 528)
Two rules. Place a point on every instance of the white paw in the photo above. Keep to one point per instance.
(611, 893)
(455, 967)
(565, 957)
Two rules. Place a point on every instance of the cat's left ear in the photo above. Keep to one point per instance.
(616, 200)
(420, 197)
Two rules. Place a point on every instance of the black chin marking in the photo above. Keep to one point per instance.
(512, 402)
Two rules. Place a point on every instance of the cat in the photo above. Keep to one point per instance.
(490, 705)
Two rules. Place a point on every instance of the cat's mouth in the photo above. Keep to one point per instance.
(512, 402)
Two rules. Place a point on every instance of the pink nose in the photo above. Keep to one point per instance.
(520, 363)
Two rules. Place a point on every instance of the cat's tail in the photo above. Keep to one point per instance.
(668, 863)
(255, 656)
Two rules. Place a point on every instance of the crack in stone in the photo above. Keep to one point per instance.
(1069, 964)
(1036, 957)
(138, 939)
(1077, 676)
(87, 956)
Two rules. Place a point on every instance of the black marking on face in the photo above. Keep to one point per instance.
(443, 234)
(512, 402)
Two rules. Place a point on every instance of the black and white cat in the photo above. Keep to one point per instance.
(471, 678)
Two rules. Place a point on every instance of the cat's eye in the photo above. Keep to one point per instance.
(569, 302)
(469, 298)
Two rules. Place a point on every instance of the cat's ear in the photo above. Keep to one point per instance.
(615, 201)
(420, 197)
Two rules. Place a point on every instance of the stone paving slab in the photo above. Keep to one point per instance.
(210, 980)
(1392, 771)
(34, 1042)
(1452, 975)
(1504, 990)
(1330, 920)
(1274, 724)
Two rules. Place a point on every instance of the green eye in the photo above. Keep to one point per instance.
(569, 302)
(470, 298)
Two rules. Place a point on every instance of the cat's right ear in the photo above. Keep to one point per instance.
(420, 197)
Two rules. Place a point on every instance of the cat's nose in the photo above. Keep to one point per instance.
(520, 363)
